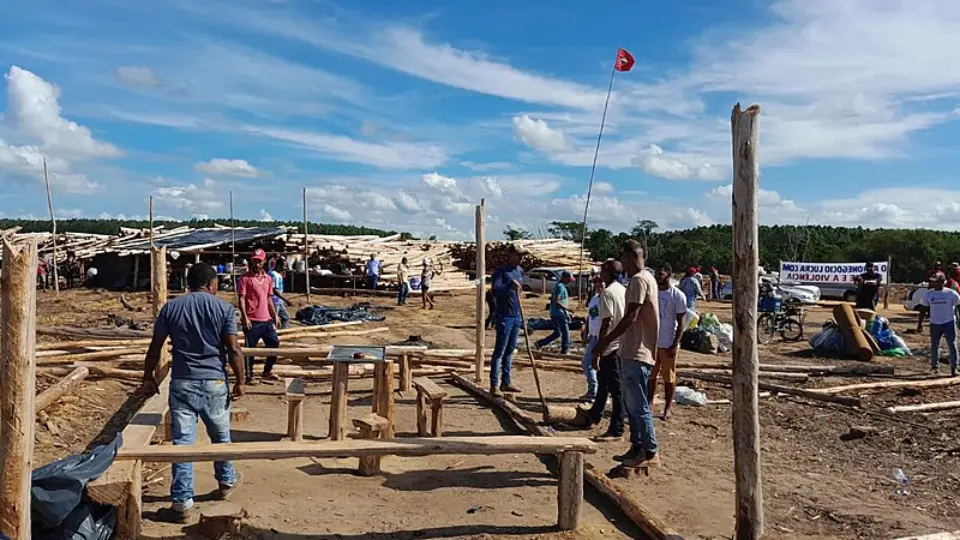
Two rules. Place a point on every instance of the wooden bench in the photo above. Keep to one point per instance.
(428, 390)
(295, 394)
(371, 426)
(570, 450)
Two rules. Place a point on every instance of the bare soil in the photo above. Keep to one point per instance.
(816, 485)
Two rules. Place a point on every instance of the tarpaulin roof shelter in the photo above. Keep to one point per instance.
(191, 240)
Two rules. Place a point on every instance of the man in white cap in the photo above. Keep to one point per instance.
(258, 316)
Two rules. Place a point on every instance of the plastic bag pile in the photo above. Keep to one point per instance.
(829, 340)
(321, 315)
(706, 334)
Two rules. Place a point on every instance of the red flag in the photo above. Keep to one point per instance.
(625, 60)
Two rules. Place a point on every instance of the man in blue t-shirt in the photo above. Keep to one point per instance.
(203, 333)
(279, 301)
(505, 286)
(559, 314)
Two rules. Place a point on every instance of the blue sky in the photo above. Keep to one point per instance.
(404, 114)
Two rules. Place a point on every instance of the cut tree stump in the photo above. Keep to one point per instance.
(220, 520)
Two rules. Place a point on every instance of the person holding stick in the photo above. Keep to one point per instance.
(638, 332)
(203, 332)
(505, 286)
(258, 315)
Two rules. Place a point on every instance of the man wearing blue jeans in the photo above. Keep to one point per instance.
(559, 314)
(593, 330)
(203, 332)
(942, 303)
(637, 331)
(258, 313)
(505, 285)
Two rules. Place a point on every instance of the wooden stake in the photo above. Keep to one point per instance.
(159, 280)
(886, 287)
(746, 264)
(151, 221)
(18, 376)
(481, 290)
(306, 247)
(570, 494)
(53, 225)
(338, 400)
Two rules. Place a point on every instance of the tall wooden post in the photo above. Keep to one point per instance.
(158, 273)
(886, 287)
(306, 247)
(53, 226)
(481, 290)
(18, 338)
(151, 221)
(746, 266)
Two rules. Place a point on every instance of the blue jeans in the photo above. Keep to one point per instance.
(508, 329)
(588, 368)
(948, 331)
(403, 293)
(372, 281)
(561, 329)
(636, 377)
(282, 314)
(266, 331)
(210, 401)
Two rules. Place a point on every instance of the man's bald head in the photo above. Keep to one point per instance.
(609, 270)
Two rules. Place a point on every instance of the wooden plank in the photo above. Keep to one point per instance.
(67, 359)
(114, 485)
(64, 385)
(935, 536)
(570, 492)
(923, 407)
(481, 331)
(101, 333)
(799, 392)
(386, 404)
(430, 388)
(881, 385)
(408, 447)
(18, 384)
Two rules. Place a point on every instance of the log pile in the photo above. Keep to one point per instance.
(551, 252)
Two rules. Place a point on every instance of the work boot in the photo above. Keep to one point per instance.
(172, 514)
(935, 370)
(608, 437)
(646, 459)
(634, 451)
(510, 388)
(224, 491)
(495, 392)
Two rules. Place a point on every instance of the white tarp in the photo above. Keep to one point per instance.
(813, 272)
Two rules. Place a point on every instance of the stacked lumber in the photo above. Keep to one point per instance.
(550, 252)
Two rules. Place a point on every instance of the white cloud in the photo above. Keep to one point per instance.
(195, 199)
(443, 184)
(335, 213)
(482, 167)
(655, 162)
(602, 187)
(265, 216)
(408, 203)
(387, 155)
(765, 197)
(490, 185)
(138, 76)
(446, 205)
(33, 107)
(377, 201)
(227, 167)
(538, 135)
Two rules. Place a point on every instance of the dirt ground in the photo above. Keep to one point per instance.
(816, 485)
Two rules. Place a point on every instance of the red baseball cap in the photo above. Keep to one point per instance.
(259, 255)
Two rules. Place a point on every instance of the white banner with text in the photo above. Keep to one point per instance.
(812, 272)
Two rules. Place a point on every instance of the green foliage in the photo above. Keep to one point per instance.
(112, 226)
(568, 230)
(512, 234)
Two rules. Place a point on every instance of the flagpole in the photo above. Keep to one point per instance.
(593, 170)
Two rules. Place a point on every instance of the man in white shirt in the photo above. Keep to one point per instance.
(592, 331)
(673, 308)
(606, 362)
(637, 331)
(403, 277)
(942, 303)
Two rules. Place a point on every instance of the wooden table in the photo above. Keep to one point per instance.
(341, 356)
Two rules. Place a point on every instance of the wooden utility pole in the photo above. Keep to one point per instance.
(306, 247)
(746, 265)
(481, 290)
(53, 225)
(18, 374)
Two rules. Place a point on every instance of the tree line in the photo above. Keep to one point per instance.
(112, 226)
(912, 251)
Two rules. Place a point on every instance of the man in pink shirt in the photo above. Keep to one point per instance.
(257, 314)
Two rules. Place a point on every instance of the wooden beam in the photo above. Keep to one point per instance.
(64, 385)
(631, 506)
(481, 333)
(66, 359)
(407, 447)
(295, 394)
(570, 493)
(338, 400)
(53, 229)
(882, 385)
(102, 333)
(306, 248)
(18, 384)
(923, 407)
(746, 263)
(88, 343)
(789, 390)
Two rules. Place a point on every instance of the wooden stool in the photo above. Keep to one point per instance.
(429, 390)
(295, 393)
(371, 426)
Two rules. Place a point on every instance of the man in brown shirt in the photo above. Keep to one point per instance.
(638, 332)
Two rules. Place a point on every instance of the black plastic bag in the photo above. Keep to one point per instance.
(59, 507)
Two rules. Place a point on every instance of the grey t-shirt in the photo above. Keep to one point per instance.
(196, 323)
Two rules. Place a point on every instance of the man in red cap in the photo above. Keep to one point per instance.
(258, 316)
